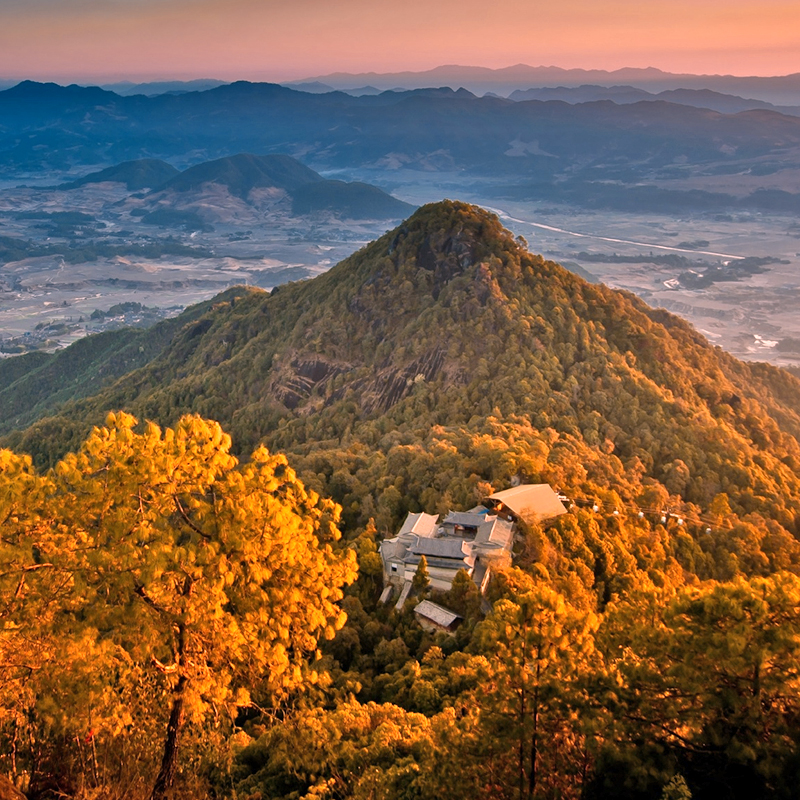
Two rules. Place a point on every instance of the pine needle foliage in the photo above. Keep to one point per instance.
(152, 562)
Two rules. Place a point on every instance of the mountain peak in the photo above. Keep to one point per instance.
(449, 236)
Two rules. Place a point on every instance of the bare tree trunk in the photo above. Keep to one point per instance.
(522, 711)
(169, 761)
(584, 769)
(14, 749)
(533, 775)
(521, 760)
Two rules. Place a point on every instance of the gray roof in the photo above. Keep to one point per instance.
(530, 501)
(422, 524)
(391, 548)
(464, 518)
(438, 614)
(497, 532)
(441, 548)
(443, 563)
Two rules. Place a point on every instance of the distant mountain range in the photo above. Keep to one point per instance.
(780, 90)
(599, 154)
(589, 93)
(777, 90)
(698, 98)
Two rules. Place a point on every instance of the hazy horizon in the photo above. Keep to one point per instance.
(144, 78)
(147, 40)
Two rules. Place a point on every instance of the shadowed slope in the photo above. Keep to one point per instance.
(145, 173)
(244, 172)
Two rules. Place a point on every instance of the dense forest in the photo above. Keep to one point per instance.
(644, 645)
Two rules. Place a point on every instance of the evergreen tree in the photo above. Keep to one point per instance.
(421, 581)
(156, 558)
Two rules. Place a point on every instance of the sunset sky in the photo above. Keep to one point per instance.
(107, 40)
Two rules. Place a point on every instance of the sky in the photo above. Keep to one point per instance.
(108, 40)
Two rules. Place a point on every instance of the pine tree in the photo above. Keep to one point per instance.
(155, 556)
(421, 581)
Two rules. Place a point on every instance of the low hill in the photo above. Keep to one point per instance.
(444, 357)
(349, 200)
(144, 173)
(239, 175)
(242, 173)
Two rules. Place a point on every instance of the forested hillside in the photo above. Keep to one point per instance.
(447, 335)
(645, 645)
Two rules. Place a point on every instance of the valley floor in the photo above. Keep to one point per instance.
(687, 265)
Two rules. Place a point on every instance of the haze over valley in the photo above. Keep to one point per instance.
(691, 208)
(138, 242)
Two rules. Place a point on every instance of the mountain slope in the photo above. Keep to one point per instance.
(144, 173)
(37, 383)
(444, 354)
(242, 173)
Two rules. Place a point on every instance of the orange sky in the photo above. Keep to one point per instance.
(266, 40)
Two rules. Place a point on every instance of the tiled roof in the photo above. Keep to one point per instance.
(441, 548)
(422, 524)
(464, 518)
(391, 548)
(497, 532)
(438, 614)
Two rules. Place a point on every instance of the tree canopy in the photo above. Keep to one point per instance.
(154, 561)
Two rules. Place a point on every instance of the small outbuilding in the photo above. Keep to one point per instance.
(435, 618)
